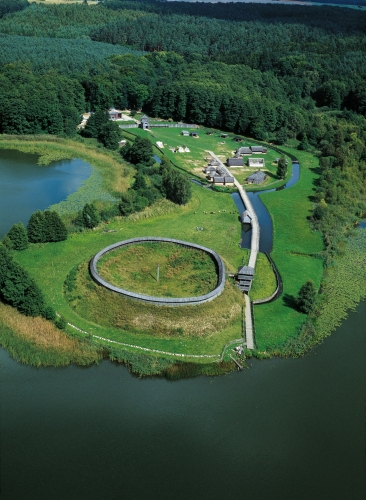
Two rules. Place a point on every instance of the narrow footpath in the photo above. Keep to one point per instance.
(254, 249)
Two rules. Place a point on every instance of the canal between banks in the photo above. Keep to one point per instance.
(283, 429)
(264, 219)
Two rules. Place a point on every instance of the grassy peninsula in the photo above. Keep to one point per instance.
(288, 77)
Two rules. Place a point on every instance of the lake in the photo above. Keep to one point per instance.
(26, 187)
(282, 429)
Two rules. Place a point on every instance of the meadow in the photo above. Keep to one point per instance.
(210, 140)
(183, 272)
(297, 253)
(193, 331)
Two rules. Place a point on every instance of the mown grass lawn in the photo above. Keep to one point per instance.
(50, 263)
(295, 246)
(293, 252)
(224, 148)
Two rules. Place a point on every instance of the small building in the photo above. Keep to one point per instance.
(236, 138)
(245, 278)
(214, 163)
(229, 180)
(160, 144)
(145, 123)
(224, 135)
(256, 177)
(218, 179)
(256, 162)
(115, 114)
(245, 151)
(185, 133)
(246, 218)
(235, 162)
(257, 150)
(122, 143)
(194, 134)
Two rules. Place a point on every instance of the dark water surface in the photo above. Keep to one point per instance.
(284, 429)
(264, 219)
(26, 187)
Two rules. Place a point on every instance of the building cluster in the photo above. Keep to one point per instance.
(218, 174)
(238, 159)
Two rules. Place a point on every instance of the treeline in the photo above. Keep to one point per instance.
(8, 6)
(271, 72)
(42, 227)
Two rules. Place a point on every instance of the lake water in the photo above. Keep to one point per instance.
(283, 429)
(26, 187)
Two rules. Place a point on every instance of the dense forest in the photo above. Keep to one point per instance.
(272, 72)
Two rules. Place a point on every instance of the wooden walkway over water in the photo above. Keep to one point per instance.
(254, 249)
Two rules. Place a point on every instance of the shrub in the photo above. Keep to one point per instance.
(306, 298)
(17, 238)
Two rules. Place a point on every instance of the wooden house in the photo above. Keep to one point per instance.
(115, 114)
(194, 134)
(245, 151)
(236, 138)
(218, 179)
(224, 136)
(235, 162)
(257, 150)
(256, 178)
(229, 180)
(256, 162)
(185, 133)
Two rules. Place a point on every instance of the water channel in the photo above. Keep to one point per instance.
(264, 219)
(283, 429)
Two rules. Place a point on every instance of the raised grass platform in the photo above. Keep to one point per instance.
(166, 301)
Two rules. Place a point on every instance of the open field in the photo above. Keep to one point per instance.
(51, 263)
(183, 272)
(295, 249)
(195, 160)
(201, 332)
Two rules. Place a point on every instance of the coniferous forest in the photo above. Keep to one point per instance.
(272, 72)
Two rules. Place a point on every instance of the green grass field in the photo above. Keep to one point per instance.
(295, 247)
(183, 272)
(201, 332)
(195, 160)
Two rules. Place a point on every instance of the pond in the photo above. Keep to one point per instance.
(26, 187)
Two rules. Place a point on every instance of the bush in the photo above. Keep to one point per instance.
(306, 298)
(60, 323)
(49, 313)
(17, 238)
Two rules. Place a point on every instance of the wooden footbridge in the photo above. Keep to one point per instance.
(254, 249)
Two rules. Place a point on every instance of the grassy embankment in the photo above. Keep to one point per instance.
(36, 341)
(183, 272)
(224, 148)
(50, 264)
(295, 252)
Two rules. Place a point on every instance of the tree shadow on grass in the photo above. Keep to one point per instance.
(289, 301)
